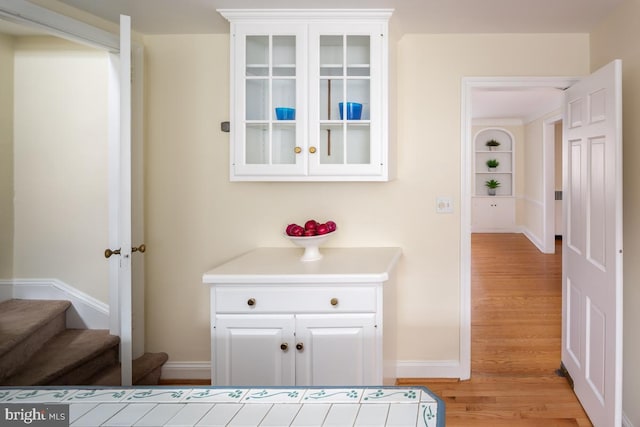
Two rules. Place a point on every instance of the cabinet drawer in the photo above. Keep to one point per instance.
(276, 299)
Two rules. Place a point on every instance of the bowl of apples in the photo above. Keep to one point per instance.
(310, 237)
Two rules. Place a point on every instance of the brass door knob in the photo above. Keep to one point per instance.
(284, 346)
(297, 150)
(251, 302)
(142, 248)
(300, 346)
(312, 150)
(109, 252)
(334, 301)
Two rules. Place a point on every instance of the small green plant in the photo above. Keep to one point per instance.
(492, 163)
(492, 183)
(492, 143)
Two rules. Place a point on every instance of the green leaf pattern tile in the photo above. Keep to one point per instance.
(391, 395)
(416, 405)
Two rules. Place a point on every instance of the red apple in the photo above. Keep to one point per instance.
(322, 229)
(312, 224)
(290, 227)
(310, 232)
(331, 225)
(294, 230)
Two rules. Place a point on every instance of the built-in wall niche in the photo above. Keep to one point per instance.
(502, 153)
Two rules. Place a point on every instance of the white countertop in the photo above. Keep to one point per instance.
(283, 265)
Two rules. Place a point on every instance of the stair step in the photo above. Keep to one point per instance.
(25, 326)
(70, 358)
(146, 371)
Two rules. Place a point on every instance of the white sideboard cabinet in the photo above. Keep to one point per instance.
(278, 321)
(309, 95)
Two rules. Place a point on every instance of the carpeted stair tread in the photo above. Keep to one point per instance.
(146, 370)
(66, 352)
(21, 318)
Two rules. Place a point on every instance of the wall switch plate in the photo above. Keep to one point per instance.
(444, 205)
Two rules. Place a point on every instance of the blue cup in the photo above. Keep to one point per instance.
(354, 110)
(284, 113)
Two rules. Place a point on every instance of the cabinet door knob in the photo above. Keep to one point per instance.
(284, 346)
(251, 302)
(300, 346)
(297, 150)
(334, 301)
(312, 150)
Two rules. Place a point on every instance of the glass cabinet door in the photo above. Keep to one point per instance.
(344, 100)
(271, 108)
(348, 112)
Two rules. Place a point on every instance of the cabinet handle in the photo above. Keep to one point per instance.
(284, 346)
(297, 150)
(312, 150)
(334, 301)
(300, 346)
(251, 302)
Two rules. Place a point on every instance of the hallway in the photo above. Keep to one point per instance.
(515, 341)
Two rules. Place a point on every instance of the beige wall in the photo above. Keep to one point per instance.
(60, 158)
(196, 218)
(617, 38)
(6, 157)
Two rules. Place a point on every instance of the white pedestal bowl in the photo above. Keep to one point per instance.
(311, 245)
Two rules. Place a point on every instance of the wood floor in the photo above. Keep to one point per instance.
(515, 344)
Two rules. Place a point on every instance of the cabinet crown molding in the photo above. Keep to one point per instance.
(310, 15)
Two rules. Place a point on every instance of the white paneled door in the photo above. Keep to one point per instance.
(592, 252)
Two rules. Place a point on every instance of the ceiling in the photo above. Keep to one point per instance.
(519, 103)
(410, 16)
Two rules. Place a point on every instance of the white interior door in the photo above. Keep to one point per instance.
(120, 290)
(592, 252)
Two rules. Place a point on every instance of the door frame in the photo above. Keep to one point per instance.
(466, 192)
(28, 14)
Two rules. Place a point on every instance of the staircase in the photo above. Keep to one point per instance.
(37, 349)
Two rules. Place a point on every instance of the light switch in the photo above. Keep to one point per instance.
(444, 205)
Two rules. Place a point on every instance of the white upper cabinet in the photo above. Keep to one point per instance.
(309, 95)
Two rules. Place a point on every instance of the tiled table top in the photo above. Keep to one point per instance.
(235, 407)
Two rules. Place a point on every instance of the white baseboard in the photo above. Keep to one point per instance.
(404, 369)
(429, 369)
(85, 312)
(186, 370)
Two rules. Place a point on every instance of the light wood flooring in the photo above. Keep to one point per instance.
(515, 341)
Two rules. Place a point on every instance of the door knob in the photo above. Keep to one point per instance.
(297, 150)
(312, 150)
(142, 248)
(334, 301)
(109, 252)
(251, 302)
(284, 346)
(300, 346)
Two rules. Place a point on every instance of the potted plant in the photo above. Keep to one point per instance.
(492, 144)
(492, 185)
(492, 164)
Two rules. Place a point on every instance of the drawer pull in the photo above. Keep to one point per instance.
(251, 302)
(284, 346)
(334, 301)
(300, 346)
